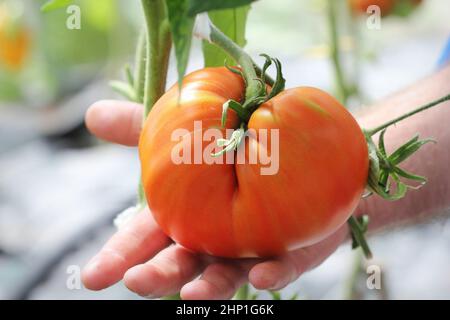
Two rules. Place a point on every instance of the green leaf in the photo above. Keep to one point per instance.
(404, 8)
(198, 6)
(181, 26)
(232, 23)
(125, 89)
(129, 75)
(55, 4)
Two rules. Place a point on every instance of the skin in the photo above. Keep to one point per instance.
(152, 266)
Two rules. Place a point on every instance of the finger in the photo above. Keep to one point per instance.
(115, 121)
(219, 281)
(165, 274)
(275, 274)
(137, 242)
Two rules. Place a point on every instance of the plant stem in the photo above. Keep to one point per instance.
(140, 66)
(407, 115)
(152, 61)
(158, 48)
(335, 52)
(359, 236)
(245, 61)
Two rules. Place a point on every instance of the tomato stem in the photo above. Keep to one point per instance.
(407, 115)
(343, 92)
(245, 61)
(158, 46)
(140, 66)
(152, 61)
(357, 231)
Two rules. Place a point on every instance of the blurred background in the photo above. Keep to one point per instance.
(60, 188)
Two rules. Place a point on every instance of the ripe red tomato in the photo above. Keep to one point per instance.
(360, 6)
(232, 210)
(386, 6)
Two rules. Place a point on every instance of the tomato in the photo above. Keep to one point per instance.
(232, 210)
(14, 42)
(387, 7)
(360, 6)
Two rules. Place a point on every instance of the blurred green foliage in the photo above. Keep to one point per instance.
(63, 60)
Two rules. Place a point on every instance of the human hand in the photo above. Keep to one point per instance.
(152, 266)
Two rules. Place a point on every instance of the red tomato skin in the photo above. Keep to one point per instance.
(360, 6)
(231, 210)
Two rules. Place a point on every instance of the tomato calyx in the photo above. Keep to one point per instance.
(245, 110)
(384, 170)
(386, 179)
(232, 143)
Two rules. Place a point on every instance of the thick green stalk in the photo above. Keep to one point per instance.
(152, 63)
(245, 61)
(158, 48)
(335, 52)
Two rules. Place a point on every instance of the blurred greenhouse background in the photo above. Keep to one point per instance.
(60, 188)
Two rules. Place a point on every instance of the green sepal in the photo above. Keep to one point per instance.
(408, 149)
(280, 82)
(236, 106)
(267, 64)
(410, 176)
(384, 170)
